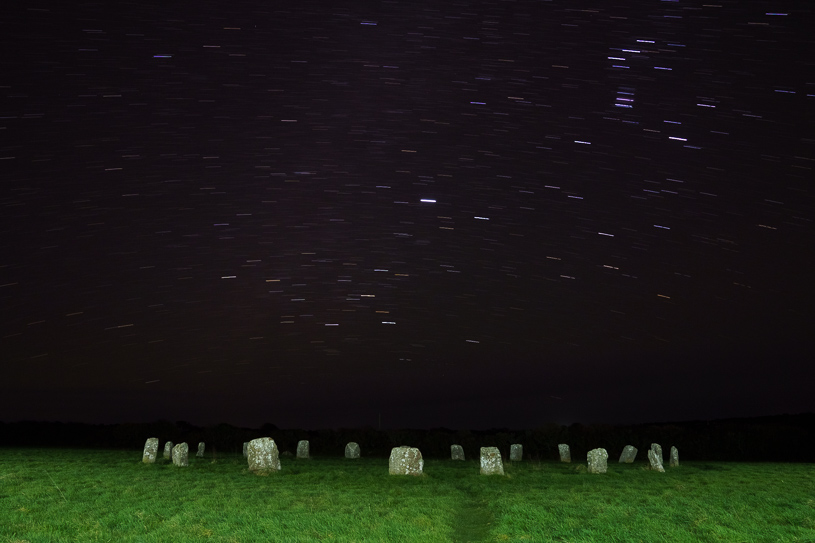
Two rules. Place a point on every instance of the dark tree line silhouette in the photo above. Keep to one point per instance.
(783, 438)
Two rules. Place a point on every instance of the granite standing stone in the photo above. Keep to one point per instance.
(516, 452)
(168, 450)
(352, 450)
(181, 455)
(491, 463)
(628, 455)
(674, 461)
(201, 447)
(657, 450)
(655, 461)
(405, 461)
(456, 452)
(598, 461)
(263, 456)
(302, 449)
(150, 450)
(245, 445)
(565, 454)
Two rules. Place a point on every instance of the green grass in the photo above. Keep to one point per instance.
(89, 495)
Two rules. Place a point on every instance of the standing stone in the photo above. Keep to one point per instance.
(516, 452)
(491, 463)
(150, 450)
(456, 452)
(245, 446)
(674, 462)
(565, 454)
(302, 449)
(655, 461)
(405, 461)
(201, 446)
(263, 456)
(629, 454)
(352, 450)
(181, 455)
(168, 450)
(657, 450)
(598, 461)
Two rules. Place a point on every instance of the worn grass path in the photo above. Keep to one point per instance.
(474, 519)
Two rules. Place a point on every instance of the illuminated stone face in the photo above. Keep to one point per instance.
(657, 448)
(628, 455)
(655, 461)
(516, 452)
(598, 461)
(352, 450)
(456, 452)
(405, 461)
(181, 455)
(491, 463)
(302, 449)
(150, 451)
(168, 450)
(263, 455)
(565, 454)
(674, 461)
(201, 447)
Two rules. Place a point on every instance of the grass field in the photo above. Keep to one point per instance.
(58, 495)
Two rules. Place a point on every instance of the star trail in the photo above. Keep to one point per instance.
(462, 214)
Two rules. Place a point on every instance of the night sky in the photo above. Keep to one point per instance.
(455, 214)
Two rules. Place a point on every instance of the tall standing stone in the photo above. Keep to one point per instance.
(674, 461)
(491, 463)
(302, 449)
(456, 452)
(181, 455)
(655, 461)
(245, 446)
(657, 448)
(168, 450)
(150, 450)
(405, 461)
(628, 455)
(516, 452)
(352, 450)
(201, 447)
(263, 455)
(565, 454)
(598, 461)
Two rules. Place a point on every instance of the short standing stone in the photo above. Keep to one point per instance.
(168, 450)
(181, 455)
(491, 463)
(674, 462)
(657, 450)
(598, 461)
(263, 455)
(201, 447)
(245, 445)
(150, 450)
(516, 452)
(565, 454)
(405, 461)
(352, 450)
(302, 449)
(628, 455)
(456, 452)
(655, 461)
